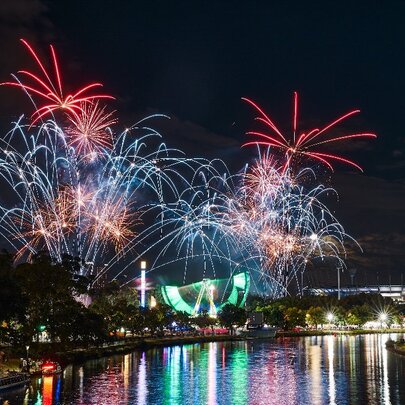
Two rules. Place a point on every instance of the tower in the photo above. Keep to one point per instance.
(143, 283)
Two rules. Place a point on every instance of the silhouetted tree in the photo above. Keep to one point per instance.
(231, 315)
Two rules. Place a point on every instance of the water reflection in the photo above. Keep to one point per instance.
(313, 370)
(142, 388)
(331, 366)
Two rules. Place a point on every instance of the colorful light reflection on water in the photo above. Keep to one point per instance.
(311, 370)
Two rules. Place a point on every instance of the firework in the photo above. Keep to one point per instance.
(113, 222)
(281, 223)
(88, 134)
(304, 144)
(262, 220)
(66, 207)
(80, 189)
(48, 87)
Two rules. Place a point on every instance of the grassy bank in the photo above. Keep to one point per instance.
(79, 355)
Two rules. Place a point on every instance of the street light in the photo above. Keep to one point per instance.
(330, 317)
(383, 318)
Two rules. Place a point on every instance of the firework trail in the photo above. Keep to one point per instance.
(261, 220)
(48, 87)
(304, 144)
(189, 230)
(81, 189)
(66, 207)
(281, 223)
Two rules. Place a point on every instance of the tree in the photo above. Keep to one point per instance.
(119, 307)
(339, 315)
(273, 315)
(159, 318)
(182, 320)
(231, 315)
(204, 320)
(315, 316)
(12, 303)
(74, 324)
(138, 321)
(48, 289)
(359, 315)
(294, 317)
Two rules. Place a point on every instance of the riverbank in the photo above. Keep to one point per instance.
(83, 354)
(80, 355)
(189, 374)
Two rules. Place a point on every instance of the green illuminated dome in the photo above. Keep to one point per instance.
(209, 295)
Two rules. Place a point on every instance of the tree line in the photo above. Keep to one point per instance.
(45, 295)
(314, 311)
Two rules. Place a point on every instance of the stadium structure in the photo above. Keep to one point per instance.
(208, 295)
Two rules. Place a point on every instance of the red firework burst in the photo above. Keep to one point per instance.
(303, 143)
(50, 88)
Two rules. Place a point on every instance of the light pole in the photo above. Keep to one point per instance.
(28, 363)
(339, 267)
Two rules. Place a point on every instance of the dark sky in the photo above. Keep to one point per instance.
(195, 60)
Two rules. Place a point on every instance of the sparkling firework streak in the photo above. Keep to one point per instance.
(50, 89)
(302, 144)
(66, 206)
(282, 224)
(190, 231)
(262, 220)
(89, 134)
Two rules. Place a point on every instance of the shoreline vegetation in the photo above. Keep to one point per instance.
(80, 355)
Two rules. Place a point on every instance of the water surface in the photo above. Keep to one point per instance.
(307, 370)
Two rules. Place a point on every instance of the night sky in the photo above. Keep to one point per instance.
(194, 61)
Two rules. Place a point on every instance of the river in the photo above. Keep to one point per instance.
(307, 370)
